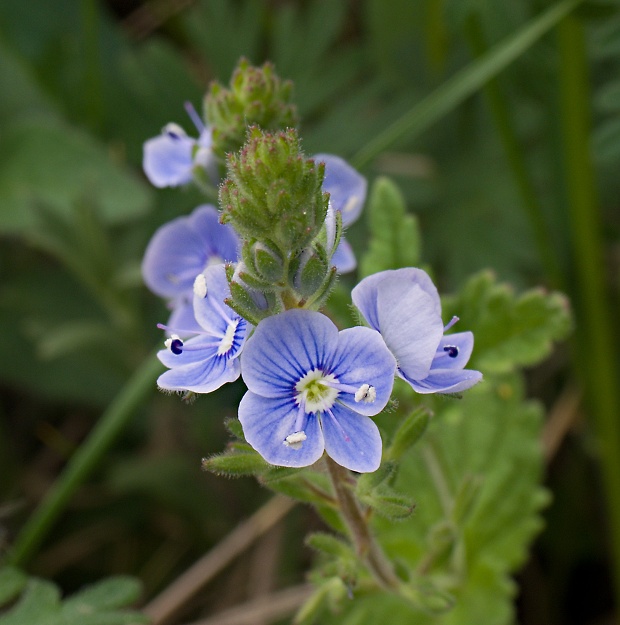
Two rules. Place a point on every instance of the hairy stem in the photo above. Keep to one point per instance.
(366, 546)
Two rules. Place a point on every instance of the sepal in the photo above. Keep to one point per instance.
(309, 269)
(409, 432)
(237, 461)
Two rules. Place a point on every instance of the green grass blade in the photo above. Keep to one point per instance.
(85, 459)
(464, 83)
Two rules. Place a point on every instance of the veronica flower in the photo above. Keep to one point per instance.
(313, 389)
(179, 251)
(347, 193)
(404, 306)
(210, 358)
(170, 158)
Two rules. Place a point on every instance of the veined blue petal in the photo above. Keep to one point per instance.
(448, 358)
(267, 422)
(201, 377)
(197, 349)
(446, 381)
(211, 312)
(351, 439)
(361, 357)
(345, 185)
(168, 160)
(409, 324)
(344, 258)
(180, 249)
(284, 348)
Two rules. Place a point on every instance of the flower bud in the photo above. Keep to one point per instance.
(256, 96)
(272, 192)
(309, 270)
(268, 261)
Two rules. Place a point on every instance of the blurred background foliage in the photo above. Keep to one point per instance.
(495, 183)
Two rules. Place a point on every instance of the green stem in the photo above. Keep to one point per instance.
(596, 348)
(365, 544)
(510, 142)
(85, 459)
(463, 84)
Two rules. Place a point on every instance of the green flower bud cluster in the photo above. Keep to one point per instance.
(257, 96)
(273, 197)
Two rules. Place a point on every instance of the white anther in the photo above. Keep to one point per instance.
(174, 129)
(295, 440)
(366, 393)
(168, 341)
(200, 285)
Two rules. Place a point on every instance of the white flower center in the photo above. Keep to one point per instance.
(229, 337)
(315, 392)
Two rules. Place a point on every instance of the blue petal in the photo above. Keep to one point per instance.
(168, 161)
(344, 258)
(286, 347)
(201, 377)
(446, 381)
(211, 312)
(346, 187)
(180, 250)
(266, 424)
(409, 315)
(198, 349)
(463, 341)
(362, 358)
(182, 320)
(352, 440)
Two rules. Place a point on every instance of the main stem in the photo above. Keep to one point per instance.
(366, 546)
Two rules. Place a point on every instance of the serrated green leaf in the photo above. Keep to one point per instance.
(12, 581)
(510, 330)
(395, 238)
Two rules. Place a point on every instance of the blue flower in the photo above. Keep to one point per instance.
(404, 306)
(210, 358)
(180, 250)
(347, 193)
(312, 389)
(169, 159)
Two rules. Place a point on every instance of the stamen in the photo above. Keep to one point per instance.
(227, 341)
(200, 285)
(174, 131)
(295, 440)
(450, 323)
(174, 344)
(193, 115)
(344, 434)
(366, 393)
(451, 350)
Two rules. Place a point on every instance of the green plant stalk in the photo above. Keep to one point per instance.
(596, 349)
(85, 459)
(463, 84)
(516, 160)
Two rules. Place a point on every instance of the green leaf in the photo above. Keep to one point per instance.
(409, 432)
(108, 594)
(46, 162)
(236, 462)
(39, 604)
(395, 239)
(330, 544)
(12, 581)
(510, 330)
(464, 84)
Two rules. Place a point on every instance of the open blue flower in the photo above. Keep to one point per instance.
(169, 159)
(210, 358)
(313, 389)
(180, 250)
(404, 306)
(347, 194)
